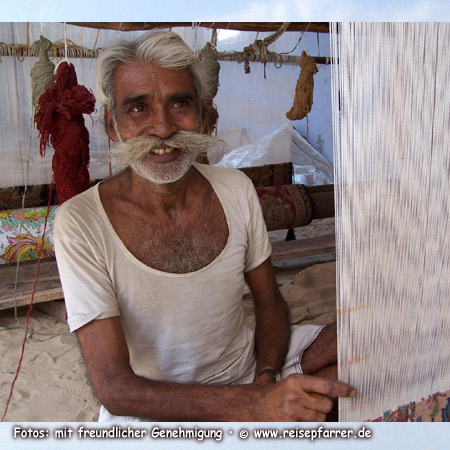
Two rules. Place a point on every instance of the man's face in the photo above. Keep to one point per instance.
(153, 101)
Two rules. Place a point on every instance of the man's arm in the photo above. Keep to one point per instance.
(122, 392)
(272, 320)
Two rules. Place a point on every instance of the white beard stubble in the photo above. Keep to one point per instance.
(136, 153)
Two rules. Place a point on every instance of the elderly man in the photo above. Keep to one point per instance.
(153, 264)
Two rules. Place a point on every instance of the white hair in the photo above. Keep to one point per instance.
(163, 48)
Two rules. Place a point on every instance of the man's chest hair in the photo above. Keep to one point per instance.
(181, 243)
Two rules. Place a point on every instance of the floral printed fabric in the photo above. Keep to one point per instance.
(22, 234)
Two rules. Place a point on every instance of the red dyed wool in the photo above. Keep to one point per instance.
(59, 119)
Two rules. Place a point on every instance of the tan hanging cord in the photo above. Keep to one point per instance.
(298, 42)
(27, 45)
(195, 26)
(304, 89)
(214, 37)
(96, 39)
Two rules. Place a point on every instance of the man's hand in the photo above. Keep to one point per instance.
(298, 398)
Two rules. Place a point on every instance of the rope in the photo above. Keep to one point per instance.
(298, 42)
(78, 51)
(195, 26)
(214, 37)
(20, 51)
(96, 39)
(109, 158)
(260, 47)
(66, 58)
(16, 278)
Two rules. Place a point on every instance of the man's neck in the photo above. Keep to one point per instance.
(161, 197)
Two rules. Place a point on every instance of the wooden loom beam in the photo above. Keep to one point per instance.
(319, 27)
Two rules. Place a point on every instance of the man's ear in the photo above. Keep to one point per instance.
(110, 128)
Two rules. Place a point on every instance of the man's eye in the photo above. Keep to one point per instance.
(137, 108)
(181, 103)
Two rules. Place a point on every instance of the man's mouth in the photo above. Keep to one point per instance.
(162, 151)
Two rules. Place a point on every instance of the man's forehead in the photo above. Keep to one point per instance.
(147, 73)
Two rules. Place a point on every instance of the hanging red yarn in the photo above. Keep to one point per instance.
(59, 119)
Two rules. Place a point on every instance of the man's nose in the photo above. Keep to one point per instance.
(161, 124)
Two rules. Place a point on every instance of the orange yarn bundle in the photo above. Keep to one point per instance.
(304, 89)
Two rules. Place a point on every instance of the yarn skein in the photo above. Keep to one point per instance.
(304, 89)
(42, 72)
(59, 119)
(208, 59)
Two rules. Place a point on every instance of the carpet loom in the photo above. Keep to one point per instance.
(391, 108)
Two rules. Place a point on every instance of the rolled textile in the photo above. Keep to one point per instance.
(284, 207)
(270, 174)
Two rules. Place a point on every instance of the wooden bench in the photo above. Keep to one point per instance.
(48, 286)
(286, 250)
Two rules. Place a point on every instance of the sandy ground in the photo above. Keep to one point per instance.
(52, 385)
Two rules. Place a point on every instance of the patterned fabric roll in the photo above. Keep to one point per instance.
(286, 206)
(270, 174)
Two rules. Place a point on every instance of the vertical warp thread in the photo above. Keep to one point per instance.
(391, 128)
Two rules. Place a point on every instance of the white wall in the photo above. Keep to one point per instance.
(248, 103)
(259, 105)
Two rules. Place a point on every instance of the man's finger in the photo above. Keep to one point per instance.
(318, 402)
(330, 388)
(311, 415)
